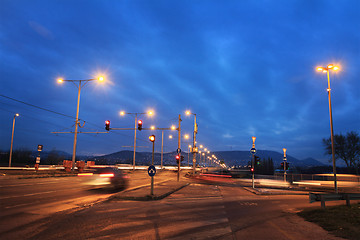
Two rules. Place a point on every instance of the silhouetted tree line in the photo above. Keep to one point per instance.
(347, 148)
(22, 157)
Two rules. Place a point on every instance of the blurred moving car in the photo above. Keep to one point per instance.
(106, 177)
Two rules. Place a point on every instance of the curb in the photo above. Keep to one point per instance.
(285, 192)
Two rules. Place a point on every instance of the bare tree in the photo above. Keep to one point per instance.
(346, 148)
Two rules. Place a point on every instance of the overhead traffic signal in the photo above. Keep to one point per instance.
(107, 125)
(140, 123)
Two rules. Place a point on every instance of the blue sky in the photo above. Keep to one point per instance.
(244, 67)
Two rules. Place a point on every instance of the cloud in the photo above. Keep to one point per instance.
(227, 135)
(41, 30)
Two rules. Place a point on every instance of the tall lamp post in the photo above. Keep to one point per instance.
(79, 84)
(150, 113)
(327, 70)
(194, 149)
(12, 138)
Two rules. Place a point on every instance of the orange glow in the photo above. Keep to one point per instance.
(335, 68)
(60, 80)
(188, 112)
(253, 139)
(319, 69)
(107, 175)
(152, 138)
(122, 113)
(324, 70)
(101, 78)
(173, 127)
(17, 115)
(330, 66)
(84, 174)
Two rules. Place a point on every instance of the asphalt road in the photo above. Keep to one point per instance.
(24, 202)
(198, 211)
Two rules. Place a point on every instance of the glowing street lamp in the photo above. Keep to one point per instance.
(12, 138)
(79, 84)
(327, 70)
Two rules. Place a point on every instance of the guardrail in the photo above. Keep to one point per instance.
(323, 197)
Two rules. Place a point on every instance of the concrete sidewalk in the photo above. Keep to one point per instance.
(160, 191)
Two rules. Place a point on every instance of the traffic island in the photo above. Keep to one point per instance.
(161, 191)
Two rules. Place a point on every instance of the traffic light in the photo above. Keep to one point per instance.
(177, 157)
(107, 125)
(282, 165)
(257, 160)
(252, 170)
(287, 166)
(152, 138)
(140, 125)
(182, 158)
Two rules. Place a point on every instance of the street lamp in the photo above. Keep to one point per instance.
(150, 113)
(327, 70)
(194, 150)
(79, 84)
(12, 138)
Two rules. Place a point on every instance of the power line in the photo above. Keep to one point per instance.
(32, 105)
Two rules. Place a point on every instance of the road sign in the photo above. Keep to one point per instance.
(37, 159)
(40, 148)
(178, 150)
(151, 170)
(253, 150)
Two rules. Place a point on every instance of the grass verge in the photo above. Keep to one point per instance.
(342, 221)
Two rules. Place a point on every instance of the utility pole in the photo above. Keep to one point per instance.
(179, 147)
(194, 145)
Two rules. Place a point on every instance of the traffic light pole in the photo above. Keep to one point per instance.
(134, 142)
(152, 163)
(194, 145)
(285, 165)
(179, 147)
(253, 172)
(253, 152)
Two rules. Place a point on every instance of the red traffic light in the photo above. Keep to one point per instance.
(177, 157)
(252, 170)
(107, 125)
(140, 123)
(152, 138)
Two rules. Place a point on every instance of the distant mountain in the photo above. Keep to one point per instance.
(141, 158)
(231, 158)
